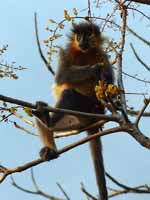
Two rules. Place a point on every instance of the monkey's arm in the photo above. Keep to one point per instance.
(107, 74)
(77, 74)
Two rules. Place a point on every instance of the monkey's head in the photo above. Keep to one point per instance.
(85, 37)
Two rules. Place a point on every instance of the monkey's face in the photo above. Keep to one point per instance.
(85, 37)
(85, 41)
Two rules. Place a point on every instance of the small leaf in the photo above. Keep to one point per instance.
(13, 109)
(52, 21)
(28, 111)
(56, 36)
(4, 104)
(67, 16)
(75, 12)
(104, 90)
(112, 90)
(61, 26)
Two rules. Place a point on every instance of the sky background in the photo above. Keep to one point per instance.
(124, 158)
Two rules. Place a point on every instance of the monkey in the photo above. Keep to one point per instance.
(82, 63)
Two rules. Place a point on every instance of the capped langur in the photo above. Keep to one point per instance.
(82, 63)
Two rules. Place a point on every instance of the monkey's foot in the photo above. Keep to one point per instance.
(48, 154)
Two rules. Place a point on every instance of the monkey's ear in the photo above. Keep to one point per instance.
(67, 123)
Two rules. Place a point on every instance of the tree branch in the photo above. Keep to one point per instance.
(39, 46)
(138, 58)
(120, 55)
(127, 188)
(37, 191)
(51, 109)
(146, 103)
(7, 172)
(147, 2)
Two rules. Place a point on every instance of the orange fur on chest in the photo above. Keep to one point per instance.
(58, 89)
(88, 58)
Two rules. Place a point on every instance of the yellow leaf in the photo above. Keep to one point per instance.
(73, 22)
(52, 21)
(112, 90)
(13, 109)
(28, 111)
(67, 16)
(56, 36)
(100, 90)
(4, 104)
(104, 90)
(75, 12)
(61, 25)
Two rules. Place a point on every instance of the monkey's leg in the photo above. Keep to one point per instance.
(70, 99)
(73, 100)
(96, 151)
(49, 150)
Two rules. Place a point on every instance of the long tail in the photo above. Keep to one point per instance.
(96, 151)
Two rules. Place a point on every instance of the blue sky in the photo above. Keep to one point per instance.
(124, 158)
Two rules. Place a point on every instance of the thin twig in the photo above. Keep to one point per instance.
(124, 191)
(21, 188)
(133, 189)
(138, 36)
(139, 11)
(39, 46)
(34, 181)
(24, 129)
(36, 192)
(138, 58)
(146, 102)
(136, 112)
(63, 191)
(133, 77)
(87, 193)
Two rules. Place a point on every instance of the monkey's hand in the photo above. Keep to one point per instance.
(43, 121)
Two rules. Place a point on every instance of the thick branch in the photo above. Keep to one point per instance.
(138, 135)
(120, 55)
(147, 2)
(51, 109)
